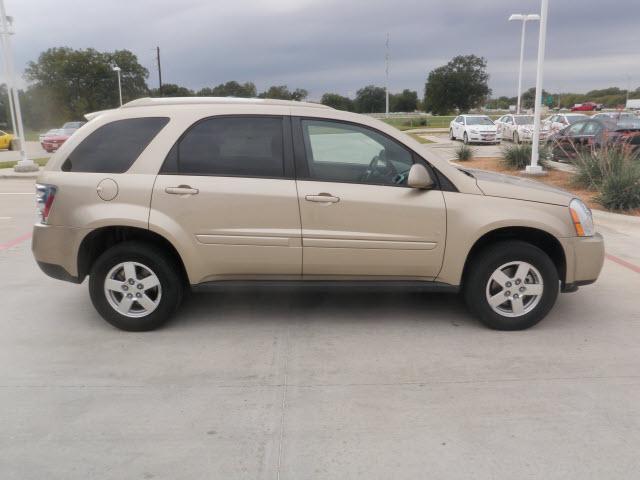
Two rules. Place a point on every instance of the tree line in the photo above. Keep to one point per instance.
(65, 83)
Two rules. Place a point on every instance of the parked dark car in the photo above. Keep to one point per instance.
(594, 134)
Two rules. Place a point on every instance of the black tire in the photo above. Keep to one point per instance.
(516, 138)
(451, 135)
(487, 261)
(465, 138)
(172, 285)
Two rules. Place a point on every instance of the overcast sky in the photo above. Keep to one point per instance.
(338, 45)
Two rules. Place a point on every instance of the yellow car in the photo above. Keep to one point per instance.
(5, 140)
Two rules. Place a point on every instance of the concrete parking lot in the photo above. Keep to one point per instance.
(33, 150)
(316, 384)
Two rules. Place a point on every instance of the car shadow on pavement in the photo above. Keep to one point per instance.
(325, 305)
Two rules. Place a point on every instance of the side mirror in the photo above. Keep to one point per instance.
(419, 177)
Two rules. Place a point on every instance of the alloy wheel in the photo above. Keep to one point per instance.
(514, 289)
(132, 289)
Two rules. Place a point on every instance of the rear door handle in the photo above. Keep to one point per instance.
(322, 198)
(181, 190)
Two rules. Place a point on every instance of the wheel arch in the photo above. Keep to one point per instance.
(534, 236)
(101, 239)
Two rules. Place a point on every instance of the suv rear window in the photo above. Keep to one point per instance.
(114, 147)
(230, 146)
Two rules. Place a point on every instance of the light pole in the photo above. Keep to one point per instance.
(534, 168)
(24, 164)
(386, 88)
(524, 19)
(117, 69)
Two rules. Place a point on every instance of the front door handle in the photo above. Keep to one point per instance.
(322, 198)
(181, 190)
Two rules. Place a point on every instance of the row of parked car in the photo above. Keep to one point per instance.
(51, 140)
(557, 130)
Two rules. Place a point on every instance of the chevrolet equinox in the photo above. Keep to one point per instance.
(163, 195)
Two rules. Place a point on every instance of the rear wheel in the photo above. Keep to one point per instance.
(134, 286)
(511, 285)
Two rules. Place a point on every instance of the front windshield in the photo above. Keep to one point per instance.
(479, 121)
(524, 120)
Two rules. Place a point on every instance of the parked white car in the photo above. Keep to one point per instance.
(473, 129)
(518, 128)
(557, 122)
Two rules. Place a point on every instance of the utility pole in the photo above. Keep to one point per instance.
(159, 71)
(386, 88)
(24, 164)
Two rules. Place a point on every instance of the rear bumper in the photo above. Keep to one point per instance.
(56, 250)
(584, 257)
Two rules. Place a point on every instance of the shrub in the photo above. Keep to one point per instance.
(620, 189)
(415, 122)
(613, 170)
(518, 156)
(464, 153)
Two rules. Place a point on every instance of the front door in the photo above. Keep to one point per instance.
(226, 193)
(359, 218)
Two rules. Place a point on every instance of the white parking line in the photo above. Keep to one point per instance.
(17, 193)
(6, 218)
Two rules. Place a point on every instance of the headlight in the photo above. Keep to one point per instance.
(473, 130)
(582, 218)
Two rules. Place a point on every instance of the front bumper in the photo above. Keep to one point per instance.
(483, 137)
(584, 258)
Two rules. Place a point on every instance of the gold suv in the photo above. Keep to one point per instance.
(162, 195)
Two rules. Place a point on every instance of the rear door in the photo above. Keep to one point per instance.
(359, 218)
(226, 191)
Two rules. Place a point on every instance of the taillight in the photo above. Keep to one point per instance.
(45, 194)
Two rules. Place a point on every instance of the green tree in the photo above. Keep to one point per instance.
(529, 97)
(230, 89)
(462, 83)
(407, 101)
(74, 82)
(337, 101)
(370, 99)
(282, 92)
(172, 90)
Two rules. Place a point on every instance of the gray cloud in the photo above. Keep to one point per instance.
(331, 45)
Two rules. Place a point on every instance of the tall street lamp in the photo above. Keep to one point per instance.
(117, 69)
(524, 19)
(534, 168)
(24, 164)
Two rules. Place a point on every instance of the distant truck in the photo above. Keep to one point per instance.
(633, 104)
(586, 107)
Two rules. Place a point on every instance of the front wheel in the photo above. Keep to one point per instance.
(451, 135)
(516, 138)
(135, 286)
(465, 139)
(511, 285)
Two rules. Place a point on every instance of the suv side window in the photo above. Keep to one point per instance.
(343, 152)
(591, 128)
(575, 128)
(113, 147)
(246, 146)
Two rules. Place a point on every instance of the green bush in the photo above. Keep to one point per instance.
(620, 189)
(518, 156)
(415, 122)
(464, 153)
(614, 171)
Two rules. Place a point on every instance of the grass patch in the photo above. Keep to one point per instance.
(40, 161)
(418, 138)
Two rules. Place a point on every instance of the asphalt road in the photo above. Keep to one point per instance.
(315, 385)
